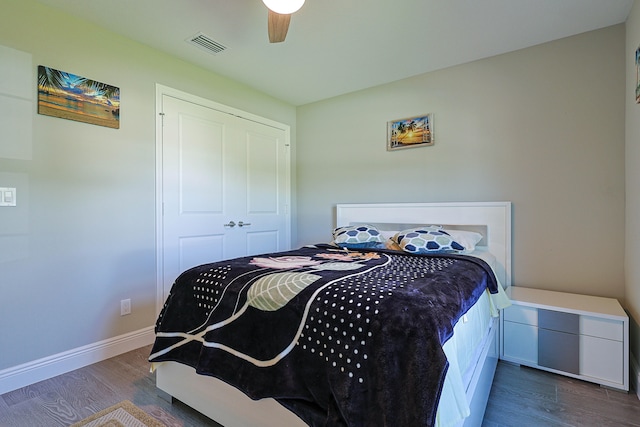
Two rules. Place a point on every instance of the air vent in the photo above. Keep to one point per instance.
(207, 43)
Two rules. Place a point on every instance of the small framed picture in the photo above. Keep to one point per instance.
(410, 132)
(638, 75)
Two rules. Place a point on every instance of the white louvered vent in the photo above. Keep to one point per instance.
(207, 43)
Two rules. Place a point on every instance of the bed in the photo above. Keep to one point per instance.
(367, 376)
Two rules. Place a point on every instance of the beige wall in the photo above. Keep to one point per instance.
(89, 192)
(632, 231)
(542, 127)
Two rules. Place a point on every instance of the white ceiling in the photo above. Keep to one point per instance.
(339, 46)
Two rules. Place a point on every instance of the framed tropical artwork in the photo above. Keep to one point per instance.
(72, 97)
(638, 75)
(410, 132)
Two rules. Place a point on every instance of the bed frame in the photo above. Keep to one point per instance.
(232, 408)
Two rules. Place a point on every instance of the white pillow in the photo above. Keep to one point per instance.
(468, 239)
(388, 234)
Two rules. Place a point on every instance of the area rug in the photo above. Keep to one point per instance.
(124, 414)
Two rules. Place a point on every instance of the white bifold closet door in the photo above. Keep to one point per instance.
(225, 187)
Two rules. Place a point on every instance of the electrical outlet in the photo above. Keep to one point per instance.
(125, 307)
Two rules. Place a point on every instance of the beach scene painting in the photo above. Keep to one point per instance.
(410, 132)
(72, 97)
(638, 75)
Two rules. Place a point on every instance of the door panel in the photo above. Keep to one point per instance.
(200, 167)
(266, 189)
(262, 174)
(225, 187)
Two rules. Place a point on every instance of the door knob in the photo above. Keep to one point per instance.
(232, 224)
(240, 224)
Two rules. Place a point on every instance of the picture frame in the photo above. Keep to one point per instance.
(410, 132)
(72, 97)
(638, 75)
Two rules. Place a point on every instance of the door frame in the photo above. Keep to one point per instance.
(161, 91)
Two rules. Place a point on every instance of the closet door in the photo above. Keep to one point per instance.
(225, 187)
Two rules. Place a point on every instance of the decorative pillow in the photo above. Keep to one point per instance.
(426, 240)
(468, 239)
(426, 228)
(357, 236)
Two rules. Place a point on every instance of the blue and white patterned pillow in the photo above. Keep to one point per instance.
(426, 240)
(357, 236)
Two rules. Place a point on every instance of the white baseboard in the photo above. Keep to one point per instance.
(635, 374)
(48, 367)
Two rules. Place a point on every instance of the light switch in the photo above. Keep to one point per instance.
(7, 196)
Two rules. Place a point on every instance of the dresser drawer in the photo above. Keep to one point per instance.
(559, 350)
(602, 328)
(521, 314)
(597, 358)
(521, 345)
(559, 321)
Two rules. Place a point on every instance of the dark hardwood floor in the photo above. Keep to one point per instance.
(520, 397)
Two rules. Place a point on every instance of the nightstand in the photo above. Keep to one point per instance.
(580, 336)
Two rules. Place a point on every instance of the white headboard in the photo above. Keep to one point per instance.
(492, 219)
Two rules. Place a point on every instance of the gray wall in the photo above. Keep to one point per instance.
(632, 230)
(542, 127)
(87, 194)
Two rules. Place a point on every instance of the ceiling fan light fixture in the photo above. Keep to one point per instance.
(284, 7)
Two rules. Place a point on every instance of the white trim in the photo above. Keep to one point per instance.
(185, 96)
(159, 203)
(635, 374)
(48, 367)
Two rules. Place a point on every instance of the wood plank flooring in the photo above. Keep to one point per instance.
(526, 397)
(520, 397)
(70, 397)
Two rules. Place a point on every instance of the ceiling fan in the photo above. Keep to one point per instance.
(279, 17)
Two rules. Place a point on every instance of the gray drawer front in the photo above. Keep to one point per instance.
(558, 321)
(559, 350)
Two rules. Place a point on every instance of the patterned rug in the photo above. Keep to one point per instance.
(124, 414)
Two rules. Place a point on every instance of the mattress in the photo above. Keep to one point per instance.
(463, 349)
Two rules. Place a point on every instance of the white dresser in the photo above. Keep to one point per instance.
(580, 336)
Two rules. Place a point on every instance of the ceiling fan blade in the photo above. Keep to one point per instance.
(278, 26)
